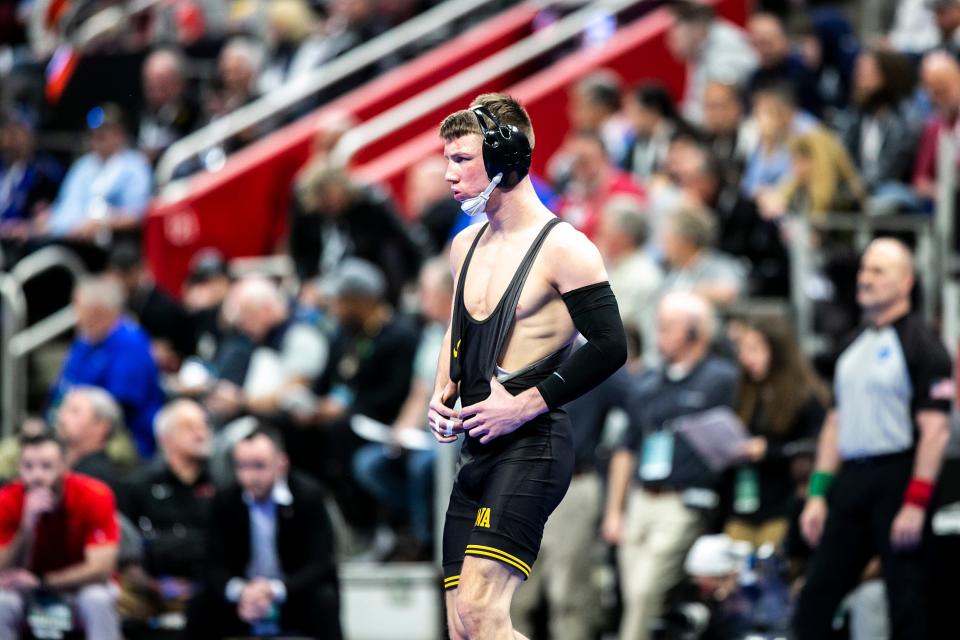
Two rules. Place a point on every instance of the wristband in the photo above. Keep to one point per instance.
(820, 483)
(918, 493)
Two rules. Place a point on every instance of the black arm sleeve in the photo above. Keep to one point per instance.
(595, 315)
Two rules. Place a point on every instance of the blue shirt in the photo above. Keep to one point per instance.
(121, 364)
(121, 182)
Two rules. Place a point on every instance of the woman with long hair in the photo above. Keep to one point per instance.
(783, 403)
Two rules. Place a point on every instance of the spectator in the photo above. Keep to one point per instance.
(370, 372)
(335, 217)
(106, 191)
(711, 50)
(168, 113)
(822, 180)
(204, 291)
(594, 102)
(940, 73)
(654, 122)
(884, 440)
(404, 479)
(270, 550)
(728, 133)
(113, 353)
(170, 503)
(913, 30)
(593, 181)
(741, 232)
(779, 63)
(239, 64)
(877, 131)
(692, 264)
(350, 24)
(87, 420)
(783, 404)
(59, 536)
(774, 109)
(634, 276)
(270, 359)
(829, 46)
(946, 14)
(296, 44)
(28, 182)
(666, 512)
(163, 319)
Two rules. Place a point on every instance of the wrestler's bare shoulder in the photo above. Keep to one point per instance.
(573, 260)
(460, 245)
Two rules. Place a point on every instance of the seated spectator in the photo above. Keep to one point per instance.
(594, 104)
(204, 291)
(106, 191)
(711, 49)
(593, 181)
(946, 14)
(692, 264)
(403, 479)
(778, 121)
(334, 216)
(940, 73)
(270, 550)
(88, 420)
(657, 517)
(829, 46)
(164, 320)
(822, 180)
(730, 135)
(270, 358)
(28, 182)
(350, 23)
(369, 373)
(168, 113)
(876, 130)
(782, 403)
(741, 232)
(778, 62)
(58, 539)
(296, 45)
(654, 122)
(634, 276)
(239, 64)
(170, 504)
(113, 353)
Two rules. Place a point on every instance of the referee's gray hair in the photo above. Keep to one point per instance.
(104, 406)
(101, 291)
(167, 416)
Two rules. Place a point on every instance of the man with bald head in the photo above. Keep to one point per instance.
(658, 484)
(879, 453)
(168, 113)
(940, 73)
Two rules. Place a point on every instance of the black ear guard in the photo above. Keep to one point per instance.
(506, 149)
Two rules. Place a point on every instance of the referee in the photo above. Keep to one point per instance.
(879, 454)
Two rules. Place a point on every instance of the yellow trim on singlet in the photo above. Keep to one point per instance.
(497, 554)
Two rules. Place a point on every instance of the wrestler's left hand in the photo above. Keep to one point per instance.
(501, 412)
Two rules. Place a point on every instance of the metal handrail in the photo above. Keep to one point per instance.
(20, 340)
(309, 84)
(474, 76)
(13, 307)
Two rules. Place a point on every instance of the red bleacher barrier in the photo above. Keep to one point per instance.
(242, 209)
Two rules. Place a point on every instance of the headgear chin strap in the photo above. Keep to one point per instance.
(478, 204)
(506, 149)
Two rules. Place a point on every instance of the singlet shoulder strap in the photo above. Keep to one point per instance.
(508, 305)
(466, 261)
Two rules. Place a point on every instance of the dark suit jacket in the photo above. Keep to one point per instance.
(898, 146)
(305, 541)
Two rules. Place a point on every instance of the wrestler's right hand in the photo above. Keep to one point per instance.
(445, 423)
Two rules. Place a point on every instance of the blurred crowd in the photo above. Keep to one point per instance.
(250, 432)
